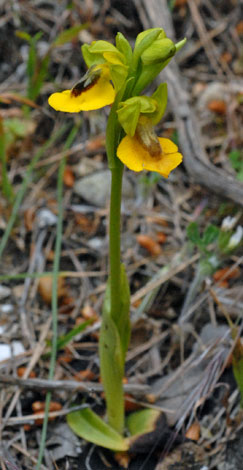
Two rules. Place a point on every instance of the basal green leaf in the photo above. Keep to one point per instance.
(88, 425)
(142, 421)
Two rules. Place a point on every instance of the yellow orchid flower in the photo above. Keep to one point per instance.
(94, 91)
(146, 151)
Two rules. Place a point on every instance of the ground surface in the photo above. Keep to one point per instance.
(185, 288)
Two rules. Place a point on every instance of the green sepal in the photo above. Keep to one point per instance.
(180, 44)
(113, 130)
(159, 51)
(124, 47)
(91, 58)
(88, 425)
(154, 107)
(145, 38)
(128, 117)
(130, 110)
(99, 47)
(142, 421)
(160, 96)
(118, 75)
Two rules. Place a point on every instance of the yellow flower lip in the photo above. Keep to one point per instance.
(93, 91)
(137, 157)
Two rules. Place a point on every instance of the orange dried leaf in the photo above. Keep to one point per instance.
(29, 217)
(224, 284)
(96, 144)
(180, 3)
(21, 371)
(19, 99)
(226, 273)
(217, 106)
(226, 57)
(65, 358)
(38, 406)
(88, 313)
(86, 374)
(68, 177)
(239, 28)
(161, 237)
(27, 427)
(55, 406)
(130, 404)
(45, 288)
(193, 432)
(157, 220)
(86, 224)
(67, 305)
(149, 244)
(136, 303)
(151, 398)
(95, 336)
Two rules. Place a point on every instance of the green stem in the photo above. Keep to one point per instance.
(114, 235)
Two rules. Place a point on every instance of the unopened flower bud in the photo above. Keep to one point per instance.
(159, 51)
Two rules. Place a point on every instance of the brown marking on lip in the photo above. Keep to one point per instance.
(80, 87)
(153, 146)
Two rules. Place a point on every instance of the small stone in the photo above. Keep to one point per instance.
(95, 188)
(45, 218)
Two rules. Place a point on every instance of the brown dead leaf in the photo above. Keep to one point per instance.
(239, 28)
(180, 3)
(96, 143)
(226, 57)
(226, 273)
(147, 242)
(20, 99)
(21, 371)
(45, 288)
(217, 106)
(29, 217)
(68, 177)
(193, 432)
(122, 458)
(161, 237)
(39, 406)
(130, 404)
(86, 374)
(89, 313)
(86, 224)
